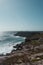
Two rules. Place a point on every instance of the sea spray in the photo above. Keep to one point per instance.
(8, 40)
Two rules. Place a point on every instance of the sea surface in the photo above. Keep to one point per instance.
(8, 40)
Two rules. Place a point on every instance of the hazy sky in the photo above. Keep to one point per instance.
(21, 15)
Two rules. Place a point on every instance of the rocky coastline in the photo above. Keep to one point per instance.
(29, 52)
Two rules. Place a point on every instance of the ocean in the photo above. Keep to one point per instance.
(8, 40)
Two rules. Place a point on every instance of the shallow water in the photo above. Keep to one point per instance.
(8, 40)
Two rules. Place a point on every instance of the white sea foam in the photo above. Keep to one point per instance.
(7, 48)
(7, 41)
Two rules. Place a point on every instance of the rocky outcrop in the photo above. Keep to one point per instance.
(29, 52)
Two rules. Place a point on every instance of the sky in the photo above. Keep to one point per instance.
(21, 15)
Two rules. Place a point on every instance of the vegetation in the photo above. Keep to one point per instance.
(26, 50)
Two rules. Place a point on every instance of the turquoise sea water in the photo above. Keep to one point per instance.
(8, 40)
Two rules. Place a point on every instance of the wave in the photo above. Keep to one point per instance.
(7, 41)
(7, 48)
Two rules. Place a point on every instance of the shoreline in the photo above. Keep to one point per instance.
(4, 54)
(29, 51)
(14, 48)
(14, 44)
